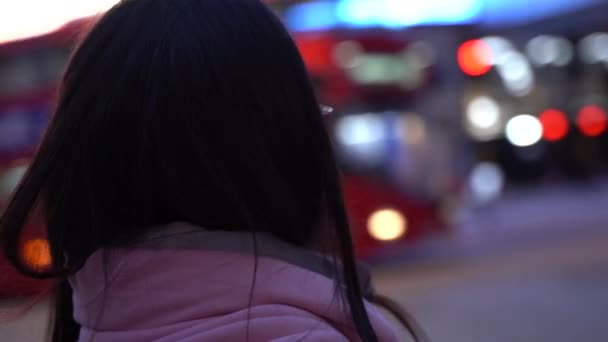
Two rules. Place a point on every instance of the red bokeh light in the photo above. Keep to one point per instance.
(316, 51)
(555, 124)
(475, 57)
(592, 120)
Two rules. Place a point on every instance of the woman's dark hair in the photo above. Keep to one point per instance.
(198, 111)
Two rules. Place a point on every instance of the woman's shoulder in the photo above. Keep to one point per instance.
(209, 278)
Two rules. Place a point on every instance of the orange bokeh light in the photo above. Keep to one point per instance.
(555, 124)
(592, 120)
(36, 253)
(475, 57)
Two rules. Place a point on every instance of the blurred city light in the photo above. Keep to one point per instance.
(483, 118)
(363, 138)
(387, 69)
(327, 110)
(486, 181)
(36, 253)
(592, 120)
(524, 130)
(499, 47)
(483, 112)
(387, 225)
(311, 16)
(475, 57)
(18, 21)
(347, 54)
(550, 50)
(555, 124)
(594, 48)
(400, 13)
(316, 50)
(25, 18)
(516, 73)
(325, 14)
(360, 129)
(565, 52)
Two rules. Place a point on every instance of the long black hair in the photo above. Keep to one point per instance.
(198, 111)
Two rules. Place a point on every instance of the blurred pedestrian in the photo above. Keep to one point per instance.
(189, 188)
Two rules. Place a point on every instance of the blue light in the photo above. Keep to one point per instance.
(403, 13)
(312, 16)
(325, 14)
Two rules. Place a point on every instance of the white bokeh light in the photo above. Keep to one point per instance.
(360, 129)
(516, 73)
(486, 181)
(483, 118)
(363, 138)
(594, 48)
(524, 130)
(483, 112)
(550, 50)
(499, 46)
(387, 225)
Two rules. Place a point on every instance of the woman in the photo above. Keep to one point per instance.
(186, 179)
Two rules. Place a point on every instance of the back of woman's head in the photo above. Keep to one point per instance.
(184, 110)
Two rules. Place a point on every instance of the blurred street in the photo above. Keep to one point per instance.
(513, 275)
(550, 292)
(505, 285)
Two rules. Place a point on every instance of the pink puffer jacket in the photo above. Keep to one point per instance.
(198, 286)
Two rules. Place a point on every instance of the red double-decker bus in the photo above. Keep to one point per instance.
(30, 70)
